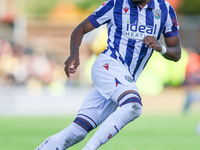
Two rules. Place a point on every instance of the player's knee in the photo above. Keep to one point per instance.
(137, 109)
(134, 110)
(131, 101)
(79, 137)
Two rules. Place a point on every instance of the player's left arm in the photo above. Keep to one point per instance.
(173, 49)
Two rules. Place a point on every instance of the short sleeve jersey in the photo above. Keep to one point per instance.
(128, 24)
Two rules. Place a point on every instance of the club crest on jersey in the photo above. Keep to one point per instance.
(129, 79)
(157, 13)
(137, 31)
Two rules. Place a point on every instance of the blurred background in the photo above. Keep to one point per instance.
(34, 44)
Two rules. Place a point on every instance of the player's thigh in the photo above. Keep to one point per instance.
(111, 78)
(95, 108)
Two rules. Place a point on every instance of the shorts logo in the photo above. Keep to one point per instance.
(157, 13)
(129, 79)
(109, 136)
(106, 66)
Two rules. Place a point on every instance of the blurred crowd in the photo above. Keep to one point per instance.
(33, 68)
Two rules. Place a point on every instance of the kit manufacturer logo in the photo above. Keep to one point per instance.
(106, 66)
(126, 9)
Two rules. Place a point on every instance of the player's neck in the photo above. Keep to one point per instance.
(142, 3)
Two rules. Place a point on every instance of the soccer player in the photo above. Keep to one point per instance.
(134, 29)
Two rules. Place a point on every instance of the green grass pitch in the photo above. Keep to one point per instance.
(148, 132)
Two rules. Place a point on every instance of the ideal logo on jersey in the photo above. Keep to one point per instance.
(138, 31)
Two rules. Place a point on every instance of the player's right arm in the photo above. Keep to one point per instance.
(100, 16)
(76, 38)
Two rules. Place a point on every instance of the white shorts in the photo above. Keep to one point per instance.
(111, 78)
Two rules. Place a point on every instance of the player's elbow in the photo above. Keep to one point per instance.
(177, 56)
(176, 60)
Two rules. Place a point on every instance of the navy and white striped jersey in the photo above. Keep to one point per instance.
(128, 24)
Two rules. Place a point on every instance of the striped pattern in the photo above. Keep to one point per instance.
(83, 123)
(129, 97)
(91, 120)
(132, 100)
(127, 93)
(128, 24)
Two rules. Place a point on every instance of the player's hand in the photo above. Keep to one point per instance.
(152, 42)
(71, 64)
